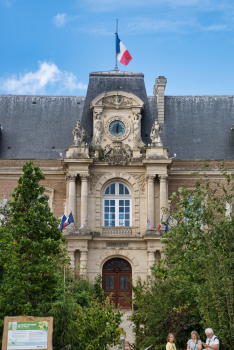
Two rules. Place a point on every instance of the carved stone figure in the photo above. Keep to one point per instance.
(78, 133)
(117, 153)
(98, 129)
(137, 129)
(117, 101)
(155, 134)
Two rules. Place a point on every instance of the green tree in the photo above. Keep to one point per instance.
(98, 325)
(31, 249)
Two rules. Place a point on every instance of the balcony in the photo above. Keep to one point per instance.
(116, 231)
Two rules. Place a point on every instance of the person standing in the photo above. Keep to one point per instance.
(170, 342)
(122, 338)
(212, 342)
(194, 343)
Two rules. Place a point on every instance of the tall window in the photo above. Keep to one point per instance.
(117, 205)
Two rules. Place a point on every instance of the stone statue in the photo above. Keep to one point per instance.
(97, 129)
(155, 134)
(136, 128)
(78, 133)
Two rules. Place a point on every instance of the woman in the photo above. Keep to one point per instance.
(170, 342)
(122, 337)
(194, 343)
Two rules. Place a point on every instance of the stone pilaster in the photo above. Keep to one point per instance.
(163, 193)
(71, 254)
(150, 197)
(83, 262)
(72, 194)
(84, 197)
(150, 261)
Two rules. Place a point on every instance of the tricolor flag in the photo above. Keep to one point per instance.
(68, 221)
(148, 225)
(160, 225)
(122, 53)
(64, 218)
(84, 224)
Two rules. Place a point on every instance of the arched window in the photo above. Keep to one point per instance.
(117, 205)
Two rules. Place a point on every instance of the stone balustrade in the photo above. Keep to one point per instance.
(117, 231)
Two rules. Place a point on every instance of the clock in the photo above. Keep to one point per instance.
(117, 128)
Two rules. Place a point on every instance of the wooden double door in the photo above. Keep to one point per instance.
(116, 280)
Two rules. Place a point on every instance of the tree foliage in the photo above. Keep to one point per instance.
(196, 274)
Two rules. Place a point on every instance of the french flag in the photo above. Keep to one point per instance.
(122, 53)
(160, 225)
(68, 221)
(64, 218)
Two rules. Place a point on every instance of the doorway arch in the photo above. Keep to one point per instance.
(117, 280)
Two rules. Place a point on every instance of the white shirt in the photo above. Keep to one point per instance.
(212, 341)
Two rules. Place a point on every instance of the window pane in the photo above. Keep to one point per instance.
(127, 202)
(121, 209)
(112, 216)
(127, 210)
(107, 282)
(121, 203)
(106, 209)
(121, 189)
(107, 190)
(106, 202)
(111, 281)
(106, 223)
(127, 216)
(126, 190)
(112, 203)
(112, 209)
(127, 223)
(121, 216)
(106, 216)
(112, 189)
(126, 282)
(121, 282)
(112, 223)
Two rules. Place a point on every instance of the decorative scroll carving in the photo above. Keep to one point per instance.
(150, 177)
(71, 177)
(126, 132)
(117, 101)
(117, 154)
(78, 133)
(163, 177)
(155, 134)
(98, 130)
(140, 177)
(94, 177)
(84, 177)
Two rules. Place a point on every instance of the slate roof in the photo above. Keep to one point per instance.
(40, 127)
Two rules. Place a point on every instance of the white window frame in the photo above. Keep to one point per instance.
(117, 197)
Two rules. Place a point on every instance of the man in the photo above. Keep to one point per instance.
(212, 342)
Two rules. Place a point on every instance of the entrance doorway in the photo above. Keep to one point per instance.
(116, 280)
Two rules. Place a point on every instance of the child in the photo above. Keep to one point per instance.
(122, 337)
(170, 342)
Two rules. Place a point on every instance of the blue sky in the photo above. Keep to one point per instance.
(50, 47)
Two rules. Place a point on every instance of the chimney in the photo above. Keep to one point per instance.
(159, 88)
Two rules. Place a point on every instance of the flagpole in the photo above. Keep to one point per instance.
(116, 67)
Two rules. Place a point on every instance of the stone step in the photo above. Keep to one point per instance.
(127, 326)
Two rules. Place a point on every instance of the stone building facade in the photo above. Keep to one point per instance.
(114, 157)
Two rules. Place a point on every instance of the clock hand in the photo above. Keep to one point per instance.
(117, 128)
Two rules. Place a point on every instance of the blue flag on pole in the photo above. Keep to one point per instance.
(64, 218)
(166, 227)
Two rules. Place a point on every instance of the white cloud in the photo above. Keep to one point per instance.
(46, 77)
(60, 19)
(6, 3)
(216, 28)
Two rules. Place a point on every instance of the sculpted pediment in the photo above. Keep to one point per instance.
(117, 100)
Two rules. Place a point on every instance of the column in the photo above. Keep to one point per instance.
(72, 195)
(150, 198)
(163, 194)
(71, 254)
(83, 262)
(84, 198)
(150, 261)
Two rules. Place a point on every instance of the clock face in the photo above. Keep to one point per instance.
(117, 128)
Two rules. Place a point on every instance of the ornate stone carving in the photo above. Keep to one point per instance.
(84, 177)
(150, 177)
(78, 133)
(117, 101)
(117, 153)
(71, 177)
(137, 129)
(98, 130)
(163, 177)
(140, 177)
(117, 138)
(155, 134)
(94, 178)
